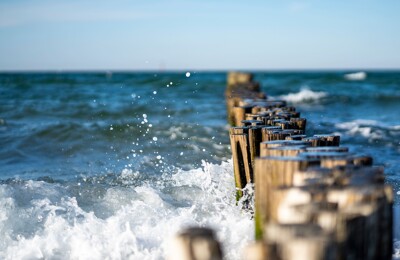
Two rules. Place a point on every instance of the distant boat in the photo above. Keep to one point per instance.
(356, 76)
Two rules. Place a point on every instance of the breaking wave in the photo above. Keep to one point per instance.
(370, 129)
(133, 220)
(305, 95)
(356, 76)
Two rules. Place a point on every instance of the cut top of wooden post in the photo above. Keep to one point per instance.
(195, 244)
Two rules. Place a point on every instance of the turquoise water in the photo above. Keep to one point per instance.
(138, 156)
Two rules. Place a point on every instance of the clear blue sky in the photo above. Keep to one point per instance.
(196, 35)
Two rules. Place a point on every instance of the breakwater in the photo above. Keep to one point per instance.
(314, 199)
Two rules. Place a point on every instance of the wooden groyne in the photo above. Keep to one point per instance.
(314, 199)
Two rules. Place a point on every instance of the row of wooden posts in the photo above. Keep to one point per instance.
(313, 198)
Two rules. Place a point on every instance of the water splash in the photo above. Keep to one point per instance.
(305, 95)
(141, 216)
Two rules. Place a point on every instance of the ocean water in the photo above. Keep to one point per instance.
(112, 165)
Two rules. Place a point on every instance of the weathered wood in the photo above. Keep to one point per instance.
(315, 141)
(313, 199)
(282, 202)
(251, 122)
(291, 150)
(195, 244)
(258, 250)
(278, 143)
(270, 172)
(300, 123)
(252, 117)
(334, 161)
(242, 169)
(339, 149)
(235, 78)
(329, 140)
(295, 137)
(239, 130)
(270, 135)
(385, 243)
(239, 114)
(255, 138)
(358, 175)
(301, 242)
(313, 176)
(266, 146)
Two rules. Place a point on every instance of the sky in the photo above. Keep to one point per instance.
(199, 35)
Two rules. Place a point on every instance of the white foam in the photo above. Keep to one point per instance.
(139, 220)
(304, 95)
(365, 128)
(396, 223)
(356, 76)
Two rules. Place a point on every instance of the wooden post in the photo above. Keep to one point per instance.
(329, 140)
(292, 150)
(313, 199)
(313, 176)
(336, 149)
(255, 138)
(270, 172)
(258, 250)
(301, 242)
(195, 244)
(241, 159)
(300, 123)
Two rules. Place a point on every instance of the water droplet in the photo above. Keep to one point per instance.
(154, 92)
(181, 153)
(187, 74)
(144, 116)
(158, 157)
(155, 139)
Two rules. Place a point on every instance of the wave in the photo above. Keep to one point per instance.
(305, 95)
(58, 220)
(371, 129)
(356, 76)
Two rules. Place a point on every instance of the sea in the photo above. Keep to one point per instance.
(112, 165)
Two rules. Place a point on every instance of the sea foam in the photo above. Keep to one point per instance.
(370, 129)
(134, 220)
(304, 95)
(356, 76)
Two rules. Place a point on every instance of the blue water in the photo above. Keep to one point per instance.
(118, 162)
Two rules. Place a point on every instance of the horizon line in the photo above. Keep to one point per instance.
(197, 70)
